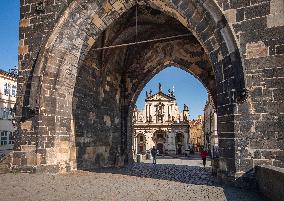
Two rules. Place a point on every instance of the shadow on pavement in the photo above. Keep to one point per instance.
(194, 175)
(178, 173)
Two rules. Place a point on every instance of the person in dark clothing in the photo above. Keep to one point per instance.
(203, 155)
(154, 155)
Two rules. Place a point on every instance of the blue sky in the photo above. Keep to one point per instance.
(9, 33)
(188, 89)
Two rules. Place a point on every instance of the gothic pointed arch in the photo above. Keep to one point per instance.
(69, 67)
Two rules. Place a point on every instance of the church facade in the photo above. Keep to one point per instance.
(161, 124)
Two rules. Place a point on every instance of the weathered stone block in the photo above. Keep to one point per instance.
(28, 126)
(255, 50)
(275, 19)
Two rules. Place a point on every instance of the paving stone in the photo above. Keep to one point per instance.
(143, 181)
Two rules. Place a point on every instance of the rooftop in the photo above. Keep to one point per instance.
(12, 74)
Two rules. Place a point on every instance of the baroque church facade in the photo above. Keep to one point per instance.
(161, 124)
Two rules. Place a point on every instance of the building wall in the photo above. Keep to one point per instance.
(8, 92)
(196, 138)
(258, 27)
(210, 128)
(170, 131)
(147, 123)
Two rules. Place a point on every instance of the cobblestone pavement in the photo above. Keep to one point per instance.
(192, 160)
(171, 179)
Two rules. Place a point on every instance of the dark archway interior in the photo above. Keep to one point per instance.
(109, 81)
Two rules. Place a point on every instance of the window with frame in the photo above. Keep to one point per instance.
(1, 113)
(11, 113)
(11, 141)
(159, 136)
(14, 90)
(4, 138)
(7, 89)
(5, 113)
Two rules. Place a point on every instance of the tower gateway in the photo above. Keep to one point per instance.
(161, 124)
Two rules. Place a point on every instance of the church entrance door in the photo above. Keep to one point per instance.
(160, 148)
(179, 152)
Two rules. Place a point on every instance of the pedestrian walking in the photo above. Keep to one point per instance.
(154, 154)
(203, 155)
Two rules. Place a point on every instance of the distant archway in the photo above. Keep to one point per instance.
(174, 108)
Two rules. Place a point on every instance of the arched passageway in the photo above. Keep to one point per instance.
(167, 110)
(81, 98)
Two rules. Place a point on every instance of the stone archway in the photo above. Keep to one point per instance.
(47, 134)
(159, 138)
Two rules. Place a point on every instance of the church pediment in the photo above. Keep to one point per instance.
(160, 97)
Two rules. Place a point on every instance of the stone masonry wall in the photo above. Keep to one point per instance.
(37, 20)
(96, 111)
(243, 41)
(259, 27)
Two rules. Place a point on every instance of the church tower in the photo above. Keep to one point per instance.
(185, 113)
